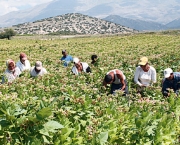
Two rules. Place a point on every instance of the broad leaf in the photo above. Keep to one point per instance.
(43, 113)
(103, 137)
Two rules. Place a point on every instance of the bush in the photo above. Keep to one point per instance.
(8, 33)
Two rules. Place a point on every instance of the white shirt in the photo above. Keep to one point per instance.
(23, 67)
(145, 78)
(10, 76)
(33, 73)
(84, 65)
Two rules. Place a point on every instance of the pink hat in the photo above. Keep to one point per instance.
(9, 61)
(23, 56)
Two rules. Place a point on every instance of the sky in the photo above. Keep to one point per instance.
(162, 11)
(7, 6)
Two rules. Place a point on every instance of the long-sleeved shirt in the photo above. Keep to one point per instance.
(11, 76)
(145, 78)
(23, 67)
(172, 84)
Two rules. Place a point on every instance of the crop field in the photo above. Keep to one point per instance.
(63, 109)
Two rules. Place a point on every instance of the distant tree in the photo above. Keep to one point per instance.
(8, 33)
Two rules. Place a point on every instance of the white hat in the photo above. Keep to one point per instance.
(75, 60)
(167, 72)
(38, 65)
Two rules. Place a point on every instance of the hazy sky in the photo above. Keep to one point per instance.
(7, 6)
(161, 11)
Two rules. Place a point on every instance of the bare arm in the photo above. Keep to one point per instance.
(120, 76)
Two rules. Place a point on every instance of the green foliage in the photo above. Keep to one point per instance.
(8, 33)
(60, 108)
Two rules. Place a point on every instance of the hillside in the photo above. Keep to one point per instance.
(72, 23)
(174, 24)
(135, 23)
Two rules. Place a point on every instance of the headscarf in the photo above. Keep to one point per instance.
(9, 61)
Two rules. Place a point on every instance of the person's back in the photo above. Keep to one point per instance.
(116, 79)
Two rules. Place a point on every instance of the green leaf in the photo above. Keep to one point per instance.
(43, 113)
(150, 130)
(103, 136)
(46, 140)
(52, 125)
(83, 123)
(19, 112)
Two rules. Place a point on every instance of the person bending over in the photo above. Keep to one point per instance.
(117, 80)
(80, 67)
(171, 81)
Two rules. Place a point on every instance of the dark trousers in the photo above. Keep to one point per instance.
(115, 87)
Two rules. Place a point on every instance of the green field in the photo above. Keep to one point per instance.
(62, 109)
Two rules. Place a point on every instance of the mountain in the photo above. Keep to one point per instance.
(72, 23)
(57, 7)
(158, 11)
(174, 24)
(136, 24)
(18, 17)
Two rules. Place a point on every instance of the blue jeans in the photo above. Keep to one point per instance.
(115, 87)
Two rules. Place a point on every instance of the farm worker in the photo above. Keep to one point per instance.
(66, 58)
(145, 75)
(11, 73)
(117, 80)
(80, 67)
(23, 64)
(171, 81)
(37, 70)
(95, 60)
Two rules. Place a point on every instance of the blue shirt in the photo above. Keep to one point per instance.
(172, 84)
(67, 59)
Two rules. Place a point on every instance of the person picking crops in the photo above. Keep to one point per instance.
(171, 81)
(95, 60)
(11, 73)
(66, 59)
(23, 64)
(117, 80)
(38, 70)
(145, 75)
(80, 67)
